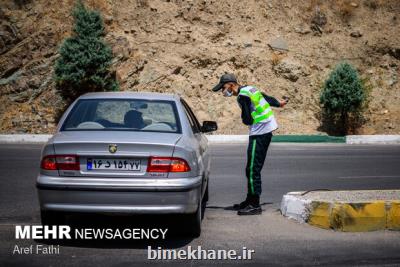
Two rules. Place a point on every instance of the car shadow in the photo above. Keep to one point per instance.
(176, 236)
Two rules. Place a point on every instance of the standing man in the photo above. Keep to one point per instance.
(258, 115)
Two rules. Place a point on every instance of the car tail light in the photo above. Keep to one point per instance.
(167, 164)
(60, 162)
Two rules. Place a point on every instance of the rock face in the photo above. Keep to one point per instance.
(302, 30)
(318, 21)
(290, 69)
(183, 47)
(279, 44)
(8, 36)
(356, 34)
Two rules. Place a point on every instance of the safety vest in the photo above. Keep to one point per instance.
(261, 110)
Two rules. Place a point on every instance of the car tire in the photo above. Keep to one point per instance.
(51, 217)
(205, 198)
(194, 221)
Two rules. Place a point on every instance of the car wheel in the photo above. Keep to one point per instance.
(51, 217)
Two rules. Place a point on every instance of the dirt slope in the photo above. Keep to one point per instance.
(184, 46)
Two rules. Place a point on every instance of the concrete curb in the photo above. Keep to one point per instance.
(227, 139)
(24, 138)
(373, 139)
(278, 139)
(351, 216)
(220, 139)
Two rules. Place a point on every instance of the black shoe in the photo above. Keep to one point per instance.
(250, 210)
(244, 203)
(241, 205)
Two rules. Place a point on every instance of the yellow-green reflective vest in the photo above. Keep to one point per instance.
(261, 110)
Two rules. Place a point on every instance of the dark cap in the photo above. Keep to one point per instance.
(226, 78)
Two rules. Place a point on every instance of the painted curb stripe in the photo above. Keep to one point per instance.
(393, 216)
(361, 217)
(343, 216)
(309, 138)
(354, 217)
(321, 214)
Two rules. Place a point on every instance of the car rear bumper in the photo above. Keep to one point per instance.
(110, 195)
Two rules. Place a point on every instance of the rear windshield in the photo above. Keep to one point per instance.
(123, 115)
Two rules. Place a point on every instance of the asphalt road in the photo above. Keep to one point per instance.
(276, 240)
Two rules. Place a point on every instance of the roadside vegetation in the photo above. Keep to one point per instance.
(85, 59)
(343, 98)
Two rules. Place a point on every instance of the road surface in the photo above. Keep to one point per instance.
(276, 240)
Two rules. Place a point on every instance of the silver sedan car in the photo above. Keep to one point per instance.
(126, 152)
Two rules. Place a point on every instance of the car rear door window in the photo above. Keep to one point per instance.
(194, 123)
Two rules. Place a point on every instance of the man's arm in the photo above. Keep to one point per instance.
(273, 101)
(245, 105)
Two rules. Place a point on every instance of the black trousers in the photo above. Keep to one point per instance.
(256, 153)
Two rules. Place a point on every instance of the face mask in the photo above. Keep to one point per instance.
(228, 93)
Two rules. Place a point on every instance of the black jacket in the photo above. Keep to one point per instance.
(245, 105)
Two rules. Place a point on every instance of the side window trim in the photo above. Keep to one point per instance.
(192, 118)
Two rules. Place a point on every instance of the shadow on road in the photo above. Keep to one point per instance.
(231, 207)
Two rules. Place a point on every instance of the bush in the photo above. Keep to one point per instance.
(342, 98)
(85, 59)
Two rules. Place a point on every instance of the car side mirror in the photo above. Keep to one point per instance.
(209, 126)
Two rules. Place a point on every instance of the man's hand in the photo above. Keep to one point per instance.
(284, 101)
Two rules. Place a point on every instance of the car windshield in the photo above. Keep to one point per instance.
(123, 115)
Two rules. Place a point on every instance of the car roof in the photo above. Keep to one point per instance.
(128, 94)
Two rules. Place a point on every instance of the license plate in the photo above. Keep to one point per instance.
(114, 164)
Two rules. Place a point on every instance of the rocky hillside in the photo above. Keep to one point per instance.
(285, 48)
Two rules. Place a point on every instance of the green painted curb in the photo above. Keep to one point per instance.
(309, 138)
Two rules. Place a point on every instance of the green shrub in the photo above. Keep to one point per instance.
(85, 59)
(342, 98)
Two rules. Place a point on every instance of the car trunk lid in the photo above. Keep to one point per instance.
(113, 153)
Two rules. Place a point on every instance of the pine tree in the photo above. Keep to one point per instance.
(342, 96)
(85, 58)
